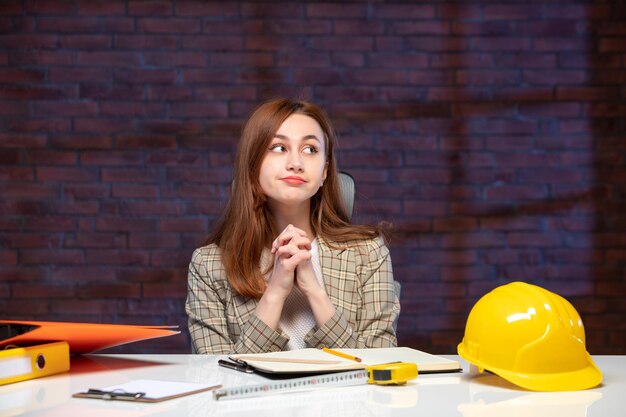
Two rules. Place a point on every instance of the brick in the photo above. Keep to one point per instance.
(169, 25)
(166, 291)
(317, 10)
(183, 225)
(165, 157)
(209, 9)
(533, 240)
(526, 60)
(101, 125)
(553, 27)
(65, 174)
(175, 59)
(348, 59)
(151, 208)
(118, 24)
(86, 41)
(97, 291)
(127, 109)
(551, 175)
(504, 43)
(198, 109)
(42, 291)
(587, 93)
(514, 192)
(48, 256)
(612, 45)
(478, 77)
(561, 44)
(43, 7)
(11, 7)
(108, 59)
(170, 258)
(28, 191)
(342, 43)
(75, 141)
(551, 109)
(35, 93)
(485, 28)
(150, 8)
(39, 126)
(241, 27)
(78, 208)
(317, 76)
(116, 257)
(144, 42)
(68, 25)
(115, 92)
(8, 258)
(552, 77)
(132, 76)
(9, 75)
(402, 11)
(16, 174)
(195, 76)
(29, 41)
(81, 274)
(154, 241)
(23, 308)
(82, 307)
(100, 8)
(67, 109)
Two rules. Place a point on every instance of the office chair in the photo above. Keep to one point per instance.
(347, 190)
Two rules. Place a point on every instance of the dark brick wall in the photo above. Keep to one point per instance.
(490, 133)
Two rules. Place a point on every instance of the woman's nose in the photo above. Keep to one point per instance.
(294, 162)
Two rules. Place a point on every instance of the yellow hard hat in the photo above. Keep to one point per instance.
(531, 337)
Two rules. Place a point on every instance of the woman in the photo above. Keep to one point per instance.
(285, 269)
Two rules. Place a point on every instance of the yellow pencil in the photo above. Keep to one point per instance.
(341, 354)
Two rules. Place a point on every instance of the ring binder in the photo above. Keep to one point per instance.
(24, 363)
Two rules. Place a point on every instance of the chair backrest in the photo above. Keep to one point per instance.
(347, 190)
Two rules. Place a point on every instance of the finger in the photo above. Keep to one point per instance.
(301, 242)
(287, 251)
(292, 262)
(286, 235)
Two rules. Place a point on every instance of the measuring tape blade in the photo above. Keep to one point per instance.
(341, 379)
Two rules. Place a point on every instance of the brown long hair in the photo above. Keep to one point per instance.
(247, 226)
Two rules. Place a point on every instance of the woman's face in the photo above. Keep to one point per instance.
(294, 165)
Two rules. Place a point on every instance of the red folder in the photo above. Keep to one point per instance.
(82, 337)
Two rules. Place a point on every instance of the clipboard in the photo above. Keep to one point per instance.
(146, 391)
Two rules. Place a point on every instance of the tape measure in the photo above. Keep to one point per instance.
(387, 374)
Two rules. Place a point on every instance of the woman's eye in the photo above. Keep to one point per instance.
(277, 148)
(310, 149)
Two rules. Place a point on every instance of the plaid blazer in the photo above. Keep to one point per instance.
(358, 280)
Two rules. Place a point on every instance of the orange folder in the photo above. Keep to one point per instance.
(81, 337)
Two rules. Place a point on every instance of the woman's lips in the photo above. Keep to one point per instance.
(293, 180)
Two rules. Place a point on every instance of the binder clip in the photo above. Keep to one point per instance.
(114, 395)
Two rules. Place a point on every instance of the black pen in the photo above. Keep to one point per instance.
(241, 367)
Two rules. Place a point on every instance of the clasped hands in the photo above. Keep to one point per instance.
(292, 264)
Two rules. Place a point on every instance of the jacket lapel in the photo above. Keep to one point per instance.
(340, 278)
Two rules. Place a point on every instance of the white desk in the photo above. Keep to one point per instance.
(459, 394)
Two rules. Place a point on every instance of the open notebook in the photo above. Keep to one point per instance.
(311, 360)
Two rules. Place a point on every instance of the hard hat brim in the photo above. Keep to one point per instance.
(580, 379)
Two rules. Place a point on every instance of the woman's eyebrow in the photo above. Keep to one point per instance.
(283, 137)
